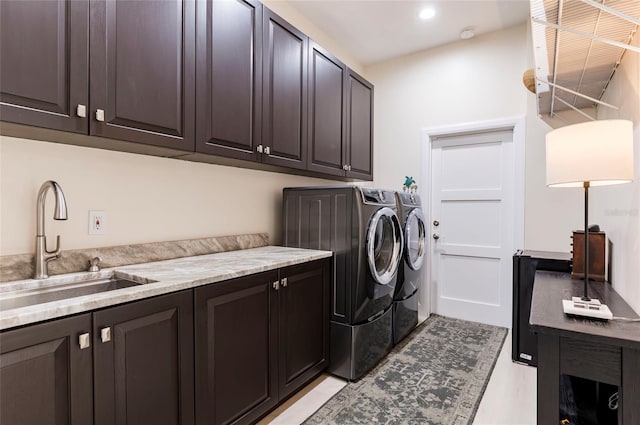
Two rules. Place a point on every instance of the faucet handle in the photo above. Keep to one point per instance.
(94, 265)
(55, 252)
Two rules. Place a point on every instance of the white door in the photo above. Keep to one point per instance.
(472, 225)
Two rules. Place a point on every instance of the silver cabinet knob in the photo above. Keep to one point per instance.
(81, 111)
(284, 282)
(105, 334)
(436, 223)
(436, 236)
(276, 285)
(84, 340)
(259, 148)
(267, 150)
(349, 168)
(100, 115)
(345, 167)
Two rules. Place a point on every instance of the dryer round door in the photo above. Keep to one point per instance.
(384, 245)
(415, 239)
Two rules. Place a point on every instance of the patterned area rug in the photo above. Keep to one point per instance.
(437, 375)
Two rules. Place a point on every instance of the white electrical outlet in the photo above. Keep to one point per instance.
(97, 223)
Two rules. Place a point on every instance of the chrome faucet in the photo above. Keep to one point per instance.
(60, 213)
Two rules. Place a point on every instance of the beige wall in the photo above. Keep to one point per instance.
(466, 81)
(145, 198)
(463, 82)
(479, 80)
(617, 208)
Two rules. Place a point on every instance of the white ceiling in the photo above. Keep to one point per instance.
(378, 30)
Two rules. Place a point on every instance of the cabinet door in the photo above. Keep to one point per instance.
(143, 369)
(45, 377)
(304, 324)
(143, 71)
(327, 112)
(236, 351)
(284, 109)
(229, 78)
(44, 66)
(360, 127)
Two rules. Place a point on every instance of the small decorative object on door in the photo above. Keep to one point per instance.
(409, 185)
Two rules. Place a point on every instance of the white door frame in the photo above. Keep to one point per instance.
(518, 125)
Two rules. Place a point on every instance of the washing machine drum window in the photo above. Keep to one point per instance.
(384, 245)
(415, 239)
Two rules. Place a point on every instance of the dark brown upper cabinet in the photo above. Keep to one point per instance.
(142, 71)
(340, 118)
(215, 78)
(359, 148)
(44, 64)
(46, 374)
(327, 112)
(229, 78)
(284, 110)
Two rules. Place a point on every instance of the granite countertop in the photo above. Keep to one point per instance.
(162, 276)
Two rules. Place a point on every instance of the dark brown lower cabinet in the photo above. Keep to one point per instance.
(235, 349)
(143, 362)
(141, 373)
(258, 339)
(303, 324)
(45, 377)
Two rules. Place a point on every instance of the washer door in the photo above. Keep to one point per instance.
(415, 234)
(384, 245)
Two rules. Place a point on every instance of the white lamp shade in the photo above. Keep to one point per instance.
(598, 152)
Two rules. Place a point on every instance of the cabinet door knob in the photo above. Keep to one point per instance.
(276, 285)
(267, 150)
(100, 115)
(284, 282)
(345, 167)
(84, 340)
(436, 223)
(259, 148)
(436, 236)
(105, 334)
(348, 167)
(81, 111)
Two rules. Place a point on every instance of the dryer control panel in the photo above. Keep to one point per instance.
(377, 196)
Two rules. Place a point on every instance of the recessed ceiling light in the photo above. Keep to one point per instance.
(427, 13)
(467, 33)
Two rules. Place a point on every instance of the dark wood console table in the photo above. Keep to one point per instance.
(607, 352)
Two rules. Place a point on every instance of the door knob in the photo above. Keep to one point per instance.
(436, 223)
(436, 236)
